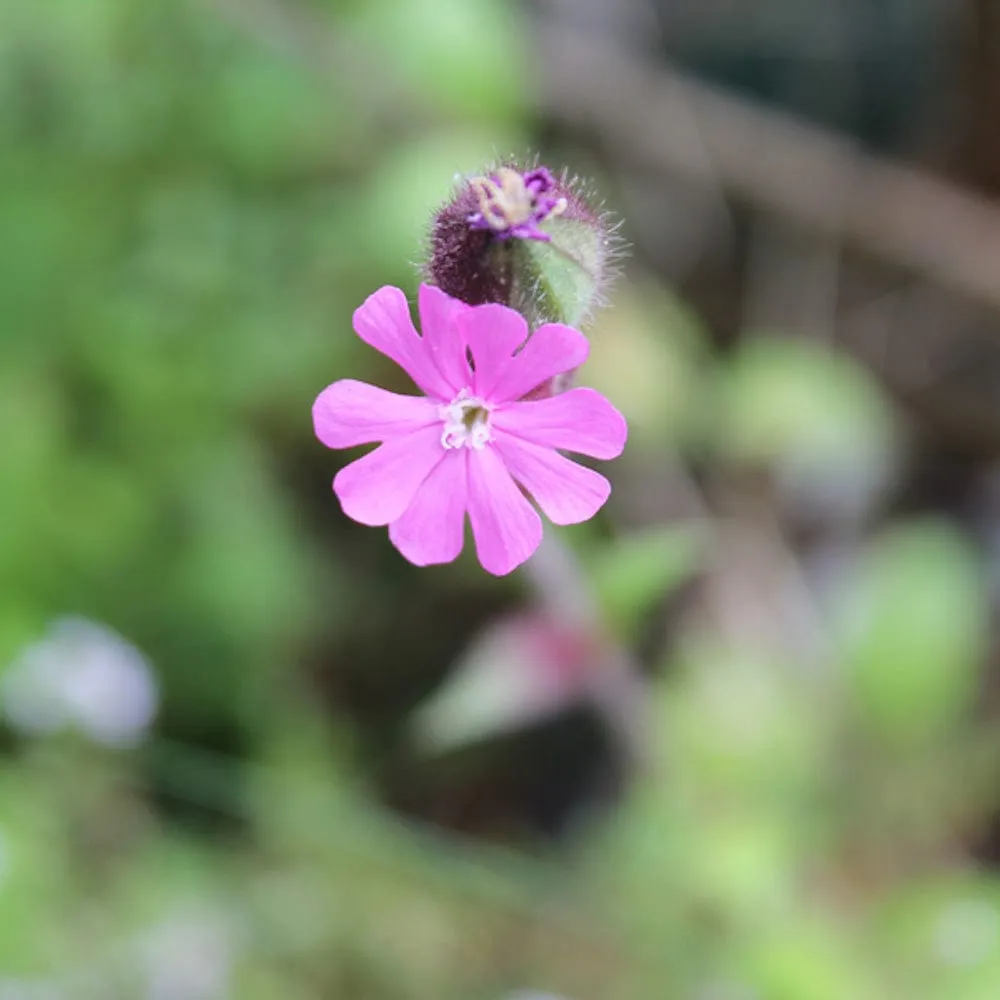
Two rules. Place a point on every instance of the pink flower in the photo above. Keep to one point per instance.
(466, 444)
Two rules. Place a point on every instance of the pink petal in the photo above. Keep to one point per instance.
(505, 526)
(568, 493)
(432, 530)
(383, 321)
(493, 333)
(552, 350)
(349, 413)
(445, 344)
(580, 420)
(377, 488)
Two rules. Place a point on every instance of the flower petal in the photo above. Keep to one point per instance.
(505, 526)
(493, 333)
(580, 420)
(568, 493)
(551, 350)
(377, 488)
(383, 321)
(432, 529)
(445, 344)
(350, 412)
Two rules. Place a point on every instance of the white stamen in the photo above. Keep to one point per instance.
(466, 422)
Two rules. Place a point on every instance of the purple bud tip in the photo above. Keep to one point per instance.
(512, 203)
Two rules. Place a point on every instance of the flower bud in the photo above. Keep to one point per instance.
(527, 240)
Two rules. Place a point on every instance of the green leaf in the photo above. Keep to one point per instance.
(914, 632)
(640, 569)
(796, 403)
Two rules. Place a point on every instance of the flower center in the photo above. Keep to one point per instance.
(509, 199)
(466, 422)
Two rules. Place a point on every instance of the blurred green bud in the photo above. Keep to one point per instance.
(915, 632)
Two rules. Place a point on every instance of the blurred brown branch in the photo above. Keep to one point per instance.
(980, 139)
(661, 120)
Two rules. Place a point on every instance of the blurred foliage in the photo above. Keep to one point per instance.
(194, 196)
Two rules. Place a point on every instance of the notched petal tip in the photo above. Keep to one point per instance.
(506, 528)
(552, 350)
(572, 344)
(431, 531)
(580, 420)
(435, 301)
(377, 488)
(567, 492)
(387, 296)
(617, 428)
(383, 321)
(385, 306)
(495, 334)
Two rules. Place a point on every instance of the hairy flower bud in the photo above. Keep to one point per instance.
(525, 239)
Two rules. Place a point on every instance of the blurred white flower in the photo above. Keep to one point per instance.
(81, 675)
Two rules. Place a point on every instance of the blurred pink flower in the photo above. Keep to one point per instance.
(466, 444)
(517, 671)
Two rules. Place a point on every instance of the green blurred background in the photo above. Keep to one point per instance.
(734, 740)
